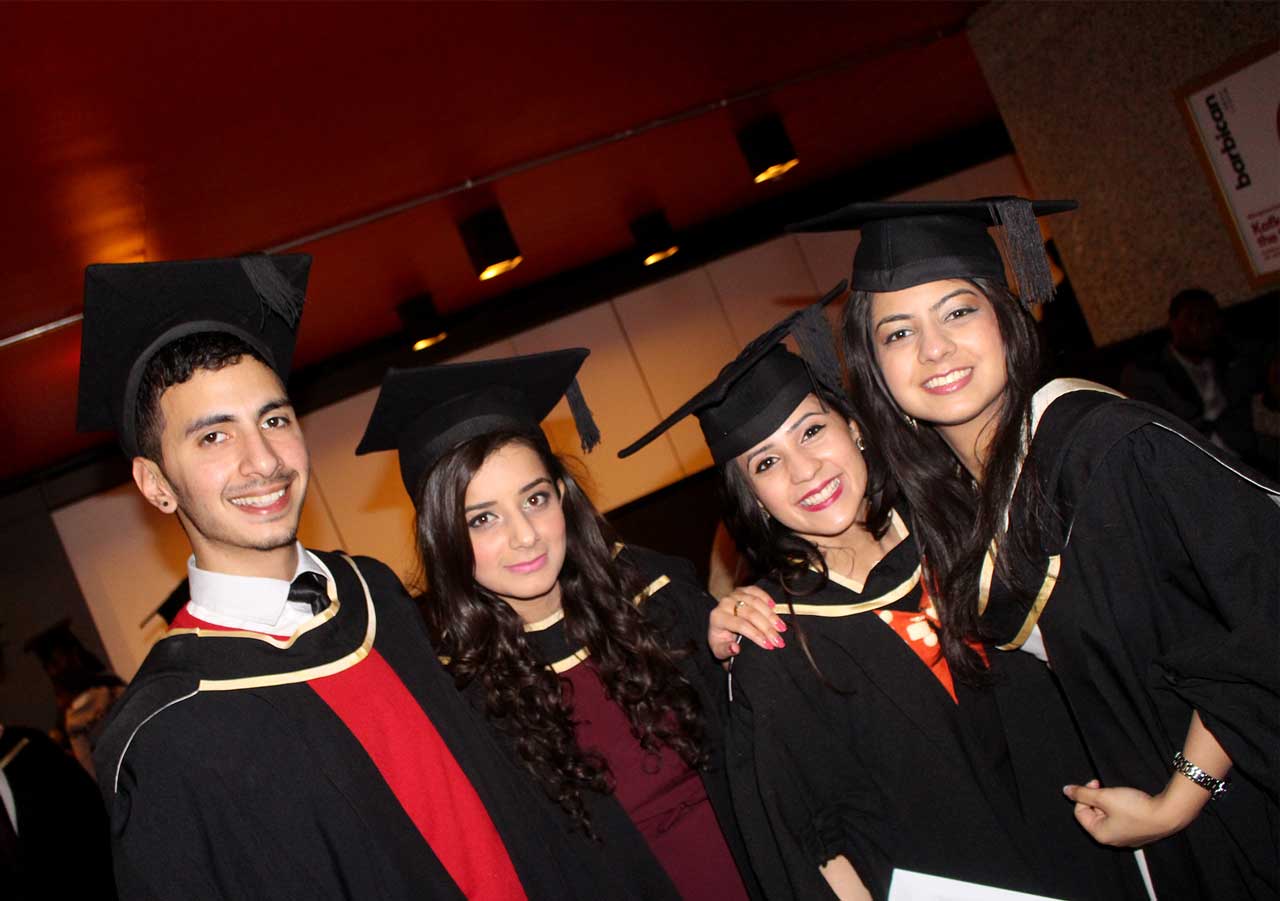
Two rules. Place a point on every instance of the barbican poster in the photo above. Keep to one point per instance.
(1235, 116)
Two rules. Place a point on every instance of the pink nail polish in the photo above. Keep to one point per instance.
(778, 642)
(780, 625)
(771, 603)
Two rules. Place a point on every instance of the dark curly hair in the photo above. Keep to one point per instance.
(775, 551)
(953, 517)
(175, 364)
(484, 639)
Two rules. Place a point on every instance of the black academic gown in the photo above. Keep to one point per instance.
(1160, 594)
(261, 791)
(678, 607)
(875, 761)
(62, 841)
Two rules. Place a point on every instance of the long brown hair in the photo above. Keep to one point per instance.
(484, 638)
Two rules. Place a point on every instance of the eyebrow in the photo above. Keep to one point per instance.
(799, 422)
(897, 317)
(213, 419)
(205, 422)
(535, 483)
(274, 405)
(791, 428)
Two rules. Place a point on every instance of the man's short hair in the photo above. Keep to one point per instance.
(1189, 297)
(174, 364)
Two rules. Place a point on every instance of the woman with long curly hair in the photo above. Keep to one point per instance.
(1098, 534)
(577, 650)
(861, 747)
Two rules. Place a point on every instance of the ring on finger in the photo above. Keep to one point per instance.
(737, 606)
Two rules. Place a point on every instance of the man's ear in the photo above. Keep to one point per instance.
(154, 486)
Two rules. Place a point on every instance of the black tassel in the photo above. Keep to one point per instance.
(817, 347)
(1024, 249)
(588, 431)
(276, 292)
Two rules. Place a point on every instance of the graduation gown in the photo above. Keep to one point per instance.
(876, 761)
(233, 767)
(61, 843)
(1160, 585)
(675, 604)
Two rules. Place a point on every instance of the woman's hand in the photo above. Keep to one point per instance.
(747, 611)
(1129, 818)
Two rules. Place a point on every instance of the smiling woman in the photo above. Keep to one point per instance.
(517, 530)
(1101, 536)
(575, 649)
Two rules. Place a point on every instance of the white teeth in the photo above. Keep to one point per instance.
(815, 499)
(954, 376)
(264, 500)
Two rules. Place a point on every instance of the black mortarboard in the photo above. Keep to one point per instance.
(132, 310)
(756, 392)
(425, 412)
(909, 243)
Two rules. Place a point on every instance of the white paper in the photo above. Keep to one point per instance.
(910, 886)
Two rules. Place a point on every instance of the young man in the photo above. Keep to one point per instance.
(292, 736)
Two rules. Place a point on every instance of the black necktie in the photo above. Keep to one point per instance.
(310, 588)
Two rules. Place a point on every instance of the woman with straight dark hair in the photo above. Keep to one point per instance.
(577, 650)
(1098, 534)
(857, 748)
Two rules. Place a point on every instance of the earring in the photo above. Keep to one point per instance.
(911, 422)
(860, 443)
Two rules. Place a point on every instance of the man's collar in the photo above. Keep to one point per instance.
(254, 602)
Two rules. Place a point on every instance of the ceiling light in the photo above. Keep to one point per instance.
(767, 148)
(490, 244)
(654, 237)
(423, 326)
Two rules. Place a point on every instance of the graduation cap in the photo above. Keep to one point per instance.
(133, 310)
(909, 243)
(756, 391)
(426, 412)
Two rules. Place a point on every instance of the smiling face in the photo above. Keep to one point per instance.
(233, 464)
(809, 474)
(942, 356)
(517, 529)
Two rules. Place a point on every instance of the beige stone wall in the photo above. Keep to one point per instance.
(1090, 95)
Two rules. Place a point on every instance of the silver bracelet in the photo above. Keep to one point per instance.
(1215, 787)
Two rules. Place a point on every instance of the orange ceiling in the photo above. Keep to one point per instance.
(149, 131)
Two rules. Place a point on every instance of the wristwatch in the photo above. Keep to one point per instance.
(1215, 787)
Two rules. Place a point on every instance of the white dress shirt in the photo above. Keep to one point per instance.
(253, 603)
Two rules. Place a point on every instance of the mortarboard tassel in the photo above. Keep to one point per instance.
(1024, 248)
(276, 292)
(817, 345)
(588, 431)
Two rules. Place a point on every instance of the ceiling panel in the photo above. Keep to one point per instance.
(160, 131)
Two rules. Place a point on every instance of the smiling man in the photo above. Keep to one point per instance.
(292, 736)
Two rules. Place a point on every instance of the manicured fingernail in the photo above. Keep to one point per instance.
(1066, 790)
(771, 603)
(778, 642)
(734, 649)
(780, 625)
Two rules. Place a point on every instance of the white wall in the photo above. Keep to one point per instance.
(651, 349)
